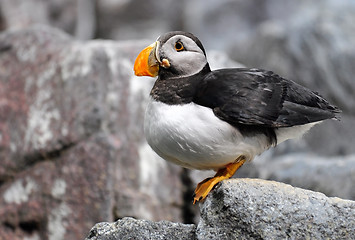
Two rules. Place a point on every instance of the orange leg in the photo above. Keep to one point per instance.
(204, 187)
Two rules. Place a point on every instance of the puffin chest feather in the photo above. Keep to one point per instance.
(192, 136)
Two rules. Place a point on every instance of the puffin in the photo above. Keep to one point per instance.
(218, 120)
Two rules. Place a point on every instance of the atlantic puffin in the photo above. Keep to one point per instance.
(203, 119)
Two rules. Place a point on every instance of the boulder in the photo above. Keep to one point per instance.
(249, 209)
(259, 209)
(130, 228)
(71, 138)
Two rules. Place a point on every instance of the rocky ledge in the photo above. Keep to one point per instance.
(248, 209)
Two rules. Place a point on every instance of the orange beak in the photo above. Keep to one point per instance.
(146, 63)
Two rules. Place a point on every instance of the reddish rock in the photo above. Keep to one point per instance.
(72, 151)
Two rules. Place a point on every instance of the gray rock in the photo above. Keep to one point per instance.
(257, 209)
(249, 209)
(129, 228)
(334, 176)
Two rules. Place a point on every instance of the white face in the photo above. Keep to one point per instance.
(188, 61)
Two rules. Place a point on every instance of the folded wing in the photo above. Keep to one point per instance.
(244, 96)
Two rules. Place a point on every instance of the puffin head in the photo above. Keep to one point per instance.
(174, 54)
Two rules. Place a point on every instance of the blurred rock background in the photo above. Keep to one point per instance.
(72, 150)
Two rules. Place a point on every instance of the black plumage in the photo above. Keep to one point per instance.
(258, 97)
(253, 100)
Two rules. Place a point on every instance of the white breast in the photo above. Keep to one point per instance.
(192, 136)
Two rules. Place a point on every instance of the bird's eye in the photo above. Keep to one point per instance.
(178, 46)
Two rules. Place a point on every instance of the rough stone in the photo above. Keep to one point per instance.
(71, 138)
(50, 199)
(129, 228)
(258, 209)
(249, 209)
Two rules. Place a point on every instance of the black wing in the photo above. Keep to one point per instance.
(257, 97)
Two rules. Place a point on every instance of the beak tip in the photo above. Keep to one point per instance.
(142, 65)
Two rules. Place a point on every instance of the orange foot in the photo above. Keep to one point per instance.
(204, 187)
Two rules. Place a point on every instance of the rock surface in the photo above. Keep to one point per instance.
(129, 228)
(249, 209)
(258, 209)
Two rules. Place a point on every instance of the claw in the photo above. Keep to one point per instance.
(204, 187)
